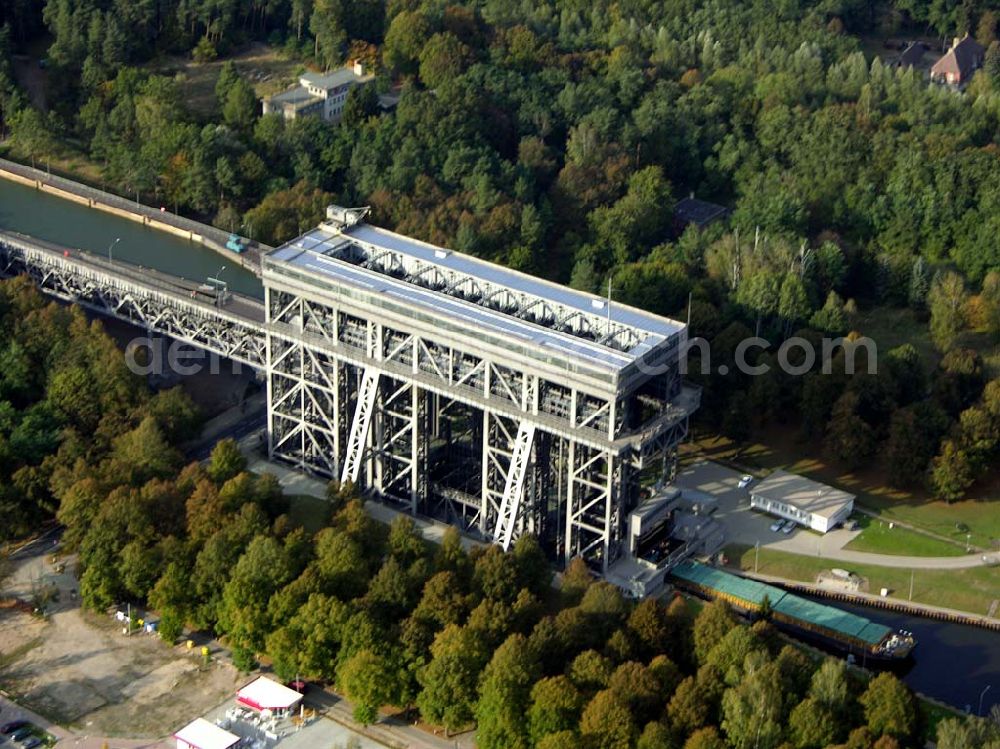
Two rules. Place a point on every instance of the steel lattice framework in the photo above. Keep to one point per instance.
(411, 371)
(445, 385)
(154, 301)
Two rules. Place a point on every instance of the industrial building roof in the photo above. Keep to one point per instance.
(803, 609)
(802, 493)
(202, 734)
(549, 317)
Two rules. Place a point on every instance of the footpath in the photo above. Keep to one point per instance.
(875, 601)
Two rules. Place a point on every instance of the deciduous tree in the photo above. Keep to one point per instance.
(889, 708)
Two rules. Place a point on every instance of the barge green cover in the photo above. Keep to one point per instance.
(753, 592)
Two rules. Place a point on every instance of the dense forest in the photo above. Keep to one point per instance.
(68, 402)
(463, 639)
(555, 137)
(466, 639)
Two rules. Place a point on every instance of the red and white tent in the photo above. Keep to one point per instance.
(265, 694)
(201, 734)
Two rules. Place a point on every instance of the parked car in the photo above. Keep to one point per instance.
(22, 733)
(789, 527)
(745, 481)
(776, 525)
(13, 726)
(31, 743)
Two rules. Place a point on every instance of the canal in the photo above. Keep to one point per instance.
(953, 663)
(29, 211)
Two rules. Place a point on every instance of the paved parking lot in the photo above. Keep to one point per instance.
(328, 734)
(746, 526)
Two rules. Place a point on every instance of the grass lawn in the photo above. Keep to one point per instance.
(890, 327)
(980, 514)
(878, 538)
(266, 70)
(970, 590)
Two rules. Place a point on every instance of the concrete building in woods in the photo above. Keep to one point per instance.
(803, 500)
(960, 62)
(319, 94)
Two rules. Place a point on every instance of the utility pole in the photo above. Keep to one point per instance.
(756, 555)
(911, 585)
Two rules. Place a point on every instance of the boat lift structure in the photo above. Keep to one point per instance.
(465, 391)
(448, 386)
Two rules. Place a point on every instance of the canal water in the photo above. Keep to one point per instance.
(29, 211)
(953, 663)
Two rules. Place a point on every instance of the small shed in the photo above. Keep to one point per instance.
(701, 213)
(266, 694)
(202, 734)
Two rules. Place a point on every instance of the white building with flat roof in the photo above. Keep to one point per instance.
(803, 500)
(320, 94)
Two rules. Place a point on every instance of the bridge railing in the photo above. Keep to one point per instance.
(156, 301)
(120, 273)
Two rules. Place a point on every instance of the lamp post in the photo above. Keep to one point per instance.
(981, 695)
(111, 247)
(220, 287)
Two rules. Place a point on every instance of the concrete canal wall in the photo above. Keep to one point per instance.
(878, 602)
(162, 220)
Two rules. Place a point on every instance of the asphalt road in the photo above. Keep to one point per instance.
(746, 526)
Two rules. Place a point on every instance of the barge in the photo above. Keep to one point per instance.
(857, 636)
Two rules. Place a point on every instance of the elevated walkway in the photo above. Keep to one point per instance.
(232, 326)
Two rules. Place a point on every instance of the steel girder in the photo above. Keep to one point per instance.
(594, 505)
(358, 438)
(517, 469)
(305, 390)
(150, 306)
(530, 454)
